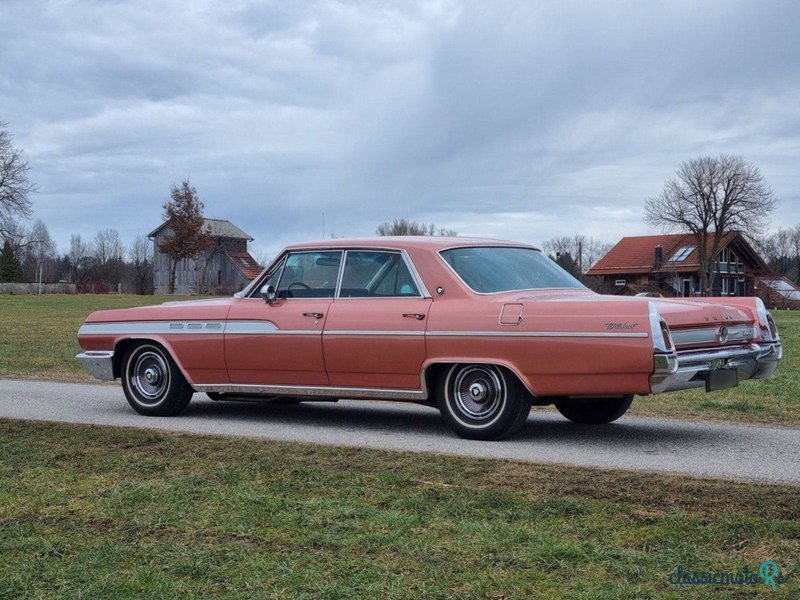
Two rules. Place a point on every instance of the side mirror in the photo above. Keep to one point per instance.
(269, 294)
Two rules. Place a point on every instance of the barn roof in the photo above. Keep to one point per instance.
(245, 263)
(220, 228)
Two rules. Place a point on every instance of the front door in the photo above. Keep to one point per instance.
(375, 330)
(281, 343)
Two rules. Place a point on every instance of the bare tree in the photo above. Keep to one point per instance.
(141, 257)
(778, 250)
(45, 249)
(108, 254)
(583, 250)
(78, 251)
(107, 246)
(38, 254)
(15, 187)
(409, 227)
(794, 238)
(710, 197)
(262, 257)
(188, 239)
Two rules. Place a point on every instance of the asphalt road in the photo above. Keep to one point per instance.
(635, 443)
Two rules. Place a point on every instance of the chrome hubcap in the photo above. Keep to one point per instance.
(150, 377)
(478, 392)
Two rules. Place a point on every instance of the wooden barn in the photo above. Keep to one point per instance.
(224, 269)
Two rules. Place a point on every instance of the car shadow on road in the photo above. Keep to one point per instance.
(388, 418)
(385, 416)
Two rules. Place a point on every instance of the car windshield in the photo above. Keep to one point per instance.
(500, 269)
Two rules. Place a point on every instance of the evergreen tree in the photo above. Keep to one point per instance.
(10, 269)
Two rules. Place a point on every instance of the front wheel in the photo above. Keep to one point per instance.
(593, 411)
(482, 402)
(152, 382)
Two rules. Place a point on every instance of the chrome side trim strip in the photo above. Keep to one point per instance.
(369, 332)
(153, 327)
(269, 328)
(580, 334)
(257, 331)
(250, 327)
(313, 391)
(191, 328)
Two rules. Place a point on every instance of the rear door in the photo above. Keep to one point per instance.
(375, 329)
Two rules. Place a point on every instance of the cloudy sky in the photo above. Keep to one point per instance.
(521, 120)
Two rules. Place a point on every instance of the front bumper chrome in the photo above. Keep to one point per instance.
(100, 363)
(688, 369)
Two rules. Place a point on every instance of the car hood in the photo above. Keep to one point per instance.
(213, 309)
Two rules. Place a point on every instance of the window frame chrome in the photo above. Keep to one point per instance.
(251, 291)
(422, 292)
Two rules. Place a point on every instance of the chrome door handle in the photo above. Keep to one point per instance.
(315, 315)
(417, 316)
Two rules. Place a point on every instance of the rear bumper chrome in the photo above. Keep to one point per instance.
(688, 369)
(100, 363)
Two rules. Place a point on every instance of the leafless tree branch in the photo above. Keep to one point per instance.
(15, 187)
(710, 197)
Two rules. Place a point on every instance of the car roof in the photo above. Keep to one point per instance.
(407, 241)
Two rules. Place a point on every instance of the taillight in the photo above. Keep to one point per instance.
(765, 319)
(773, 331)
(667, 337)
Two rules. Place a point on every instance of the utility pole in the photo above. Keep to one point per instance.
(323, 225)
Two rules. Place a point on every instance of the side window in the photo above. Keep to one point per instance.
(310, 275)
(376, 274)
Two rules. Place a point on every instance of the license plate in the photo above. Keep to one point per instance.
(721, 379)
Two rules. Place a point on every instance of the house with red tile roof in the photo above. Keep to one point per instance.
(669, 265)
(223, 269)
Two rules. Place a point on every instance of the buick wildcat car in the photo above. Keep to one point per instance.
(482, 329)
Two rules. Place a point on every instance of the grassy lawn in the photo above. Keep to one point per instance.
(89, 512)
(37, 339)
(38, 333)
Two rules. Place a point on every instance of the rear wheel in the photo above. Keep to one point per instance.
(593, 411)
(482, 402)
(152, 382)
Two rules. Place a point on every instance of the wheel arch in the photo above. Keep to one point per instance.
(122, 345)
(436, 368)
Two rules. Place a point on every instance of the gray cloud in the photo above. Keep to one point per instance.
(510, 119)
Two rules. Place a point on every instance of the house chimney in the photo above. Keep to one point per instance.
(659, 259)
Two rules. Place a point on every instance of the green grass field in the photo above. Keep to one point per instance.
(37, 340)
(89, 512)
(38, 334)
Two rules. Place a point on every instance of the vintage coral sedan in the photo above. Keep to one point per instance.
(481, 328)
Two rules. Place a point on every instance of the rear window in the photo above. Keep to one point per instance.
(493, 269)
